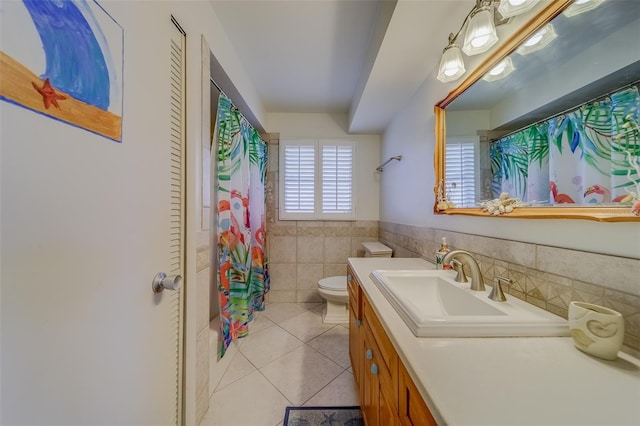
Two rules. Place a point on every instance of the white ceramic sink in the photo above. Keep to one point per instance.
(432, 304)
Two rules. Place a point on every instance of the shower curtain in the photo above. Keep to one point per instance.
(243, 278)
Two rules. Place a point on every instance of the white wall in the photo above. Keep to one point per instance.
(467, 123)
(317, 125)
(407, 191)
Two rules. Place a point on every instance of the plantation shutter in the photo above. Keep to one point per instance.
(316, 179)
(299, 178)
(461, 171)
(337, 185)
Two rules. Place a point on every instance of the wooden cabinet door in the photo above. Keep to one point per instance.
(355, 328)
(370, 388)
(412, 409)
(386, 411)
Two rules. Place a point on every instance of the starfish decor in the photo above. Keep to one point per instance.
(49, 95)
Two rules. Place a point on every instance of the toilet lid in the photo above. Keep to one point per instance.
(333, 283)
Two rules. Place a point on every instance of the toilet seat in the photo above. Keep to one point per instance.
(338, 283)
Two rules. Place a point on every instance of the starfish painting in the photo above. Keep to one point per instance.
(49, 95)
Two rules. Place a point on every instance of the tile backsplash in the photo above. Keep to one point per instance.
(548, 277)
(302, 252)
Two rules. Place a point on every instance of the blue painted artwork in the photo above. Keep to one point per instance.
(64, 60)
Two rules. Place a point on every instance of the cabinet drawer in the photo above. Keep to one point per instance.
(355, 300)
(386, 347)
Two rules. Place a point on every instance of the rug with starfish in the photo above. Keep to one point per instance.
(323, 416)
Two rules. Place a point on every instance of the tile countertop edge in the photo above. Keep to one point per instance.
(532, 380)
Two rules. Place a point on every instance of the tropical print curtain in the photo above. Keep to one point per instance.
(243, 278)
(582, 156)
(520, 164)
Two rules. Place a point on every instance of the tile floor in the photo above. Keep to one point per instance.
(289, 358)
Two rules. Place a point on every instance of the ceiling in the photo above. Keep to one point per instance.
(361, 57)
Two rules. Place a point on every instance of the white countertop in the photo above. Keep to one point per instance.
(507, 380)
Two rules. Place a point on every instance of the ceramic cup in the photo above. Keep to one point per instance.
(596, 330)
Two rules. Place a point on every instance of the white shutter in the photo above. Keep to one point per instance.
(461, 176)
(337, 175)
(299, 179)
(177, 202)
(316, 179)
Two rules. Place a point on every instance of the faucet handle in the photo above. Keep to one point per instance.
(496, 292)
(457, 266)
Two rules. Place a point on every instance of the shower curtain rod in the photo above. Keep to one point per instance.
(233, 106)
(573, 108)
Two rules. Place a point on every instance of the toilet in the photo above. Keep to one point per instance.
(334, 289)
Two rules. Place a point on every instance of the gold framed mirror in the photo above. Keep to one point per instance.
(598, 209)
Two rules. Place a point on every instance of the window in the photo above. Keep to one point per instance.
(316, 179)
(461, 171)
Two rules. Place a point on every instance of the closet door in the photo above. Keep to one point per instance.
(87, 223)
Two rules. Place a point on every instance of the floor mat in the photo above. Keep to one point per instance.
(323, 416)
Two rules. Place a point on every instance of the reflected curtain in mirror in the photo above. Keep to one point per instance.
(583, 156)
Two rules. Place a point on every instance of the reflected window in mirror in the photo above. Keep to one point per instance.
(462, 175)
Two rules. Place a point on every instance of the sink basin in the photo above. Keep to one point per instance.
(432, 304)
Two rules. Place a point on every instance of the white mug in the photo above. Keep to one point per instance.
(596, 330)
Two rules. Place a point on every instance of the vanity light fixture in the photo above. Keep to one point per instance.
(509, 8)
(481, 32)
(500, 71)
(451, 63)
(537, 41)
(580, 6)
(480, 24)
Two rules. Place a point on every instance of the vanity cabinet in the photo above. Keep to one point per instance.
(388, 396)
(356, 337)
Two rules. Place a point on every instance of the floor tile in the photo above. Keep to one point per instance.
(238, 368)
(318, 309)
(342, 391)
(267, 345)
(334, 344)
(309, 306)
(301, 373)
(260, 322)
(250, 401)
(306, 326)
(291, 372)
(278, 312)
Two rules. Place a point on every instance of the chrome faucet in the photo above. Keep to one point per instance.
(477, 283)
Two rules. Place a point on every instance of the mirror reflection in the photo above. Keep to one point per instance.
(556, 122)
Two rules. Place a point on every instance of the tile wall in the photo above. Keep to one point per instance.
(548, 277)
(303, 252)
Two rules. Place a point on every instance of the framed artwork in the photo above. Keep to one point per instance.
(64, 60)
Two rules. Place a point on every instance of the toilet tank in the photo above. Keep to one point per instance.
(376, 249)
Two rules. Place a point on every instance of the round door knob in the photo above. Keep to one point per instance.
(368, 353)
(162, 281)
(374, 369)
(358, 322)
